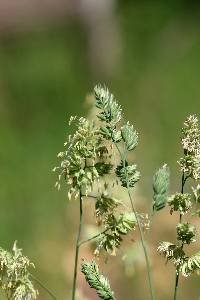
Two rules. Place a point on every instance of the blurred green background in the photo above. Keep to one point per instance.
(148, 54)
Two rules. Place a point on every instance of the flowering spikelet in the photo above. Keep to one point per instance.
(190, 163)
(191, 265)
(81, 163)
(196, 193)
(111, 111)
(160, 187)
(186, 233)
(15, 276)
(111, 115)
(97, 281)
(180, 202)
(166, 248)
(172, 252)
(116, 227)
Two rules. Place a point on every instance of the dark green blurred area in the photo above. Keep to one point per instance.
(44, 78)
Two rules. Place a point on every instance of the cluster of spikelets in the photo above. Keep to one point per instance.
(190, 163)
(14, 275)
(183, 203)
(180, 202)
(115, 228)
(81, 162)
(97, 281)
(126, 137)
(160, 188)
(111, 114)
(186, 265)
(88, 159)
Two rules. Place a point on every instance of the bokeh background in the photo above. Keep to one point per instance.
(51, 55)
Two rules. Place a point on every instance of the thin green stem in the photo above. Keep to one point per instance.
(183, 181)
(77, 248)
(176, 284)
(90, 196)
(151, 215)
(93, 238)
(144, 246)
(43, 286)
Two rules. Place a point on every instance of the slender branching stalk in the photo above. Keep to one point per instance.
(43, 287)
(143, 242)
(144, 246)
(77, 248)
(93, 237)
(177, 275)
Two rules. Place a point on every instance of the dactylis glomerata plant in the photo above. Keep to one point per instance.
(95, 159)
(183, 203)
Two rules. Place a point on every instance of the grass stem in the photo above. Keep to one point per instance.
(43, 286)
(93, 237)
(183, 181)
(77, 248)
(143, 242)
